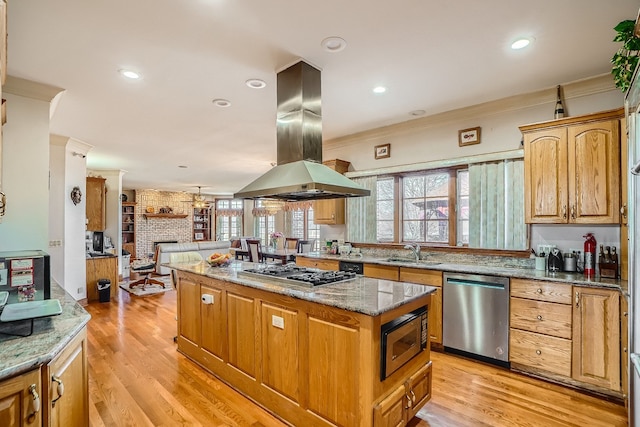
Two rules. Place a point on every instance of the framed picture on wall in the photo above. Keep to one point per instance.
(198, 236)
(469, 136)
(382, 151)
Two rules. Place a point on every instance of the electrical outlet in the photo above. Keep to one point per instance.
(277, 321)
(79, 291)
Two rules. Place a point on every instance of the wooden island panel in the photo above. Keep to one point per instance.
(310, 364)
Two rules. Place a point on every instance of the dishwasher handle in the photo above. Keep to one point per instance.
(475, 283)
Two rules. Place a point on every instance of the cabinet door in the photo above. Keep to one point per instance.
(322, 264)
(596, 337)
(241, 330)
(594, 171)
(17, 405)
(67, 388)
(280, 369)
(541, 352)
(189, 310)
(96, 204)
(545, 176)
(419, 390)
(329, 212)
(390, 412)
(385, 272)
(213, 323)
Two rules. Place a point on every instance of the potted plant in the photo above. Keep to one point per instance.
(625, 59)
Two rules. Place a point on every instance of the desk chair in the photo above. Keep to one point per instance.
(255, 250)
(148, 269)
(291, 243)
(305, 246)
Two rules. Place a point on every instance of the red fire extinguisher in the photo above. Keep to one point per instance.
(589, 255)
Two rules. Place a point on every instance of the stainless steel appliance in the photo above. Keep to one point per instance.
(294, 275)
(555, 261)
(476, 316)
(355, 267)
(401, 339)
(25, 275)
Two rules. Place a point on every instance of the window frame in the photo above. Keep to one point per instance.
(216, 217)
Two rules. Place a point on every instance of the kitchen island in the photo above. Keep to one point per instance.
(310, 355)
(48, 366)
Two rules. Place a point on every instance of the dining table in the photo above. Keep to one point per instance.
(283, 255)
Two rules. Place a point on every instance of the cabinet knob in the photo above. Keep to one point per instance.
(539, 317)
(564, 211)
(538, 352)
(573, 211)
(623, 211)
(539, 290)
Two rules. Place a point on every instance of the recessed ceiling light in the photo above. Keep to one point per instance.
(130, 74)
(520, 43)
(223, 103)
(333, 44)
(182, 166)
(418, 113)
(379, 89)
(256, 83)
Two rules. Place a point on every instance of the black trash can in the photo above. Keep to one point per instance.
(104, 290)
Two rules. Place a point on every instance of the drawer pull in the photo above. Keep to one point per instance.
(539, 317)
(539, 290)
(60, 389)
(538, 352)
(35, 402)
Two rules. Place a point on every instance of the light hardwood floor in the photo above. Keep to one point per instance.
(137, 378)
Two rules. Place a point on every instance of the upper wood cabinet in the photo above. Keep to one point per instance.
(572, 169)
(96, 203)
(331, 211)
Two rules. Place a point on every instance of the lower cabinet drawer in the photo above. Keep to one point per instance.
(542, 317)
(542, 352)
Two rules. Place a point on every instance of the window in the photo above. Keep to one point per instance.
(302, 226)
(462, 211)
(264, 223)
(384, 210)
(425, 208)
(229, 214)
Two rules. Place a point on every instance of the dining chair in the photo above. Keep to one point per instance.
(255, 250)
(291, 243)
(305, 246)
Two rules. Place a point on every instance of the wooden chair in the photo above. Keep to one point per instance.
(147, 269)
(291, 243)
(255, 250)
(305, 246)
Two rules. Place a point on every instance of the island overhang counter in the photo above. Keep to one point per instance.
(310, 355)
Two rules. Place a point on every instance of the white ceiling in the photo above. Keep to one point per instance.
(433, 55)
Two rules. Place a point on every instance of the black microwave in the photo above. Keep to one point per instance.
(25, 275)
(401, 339)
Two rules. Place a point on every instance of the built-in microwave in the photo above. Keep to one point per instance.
(401, 339)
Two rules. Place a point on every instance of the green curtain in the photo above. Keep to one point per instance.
(496, 205)
(361, 213)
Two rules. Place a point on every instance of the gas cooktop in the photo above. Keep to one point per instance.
(291, 274)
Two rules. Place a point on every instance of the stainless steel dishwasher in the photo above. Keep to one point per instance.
(476, 316)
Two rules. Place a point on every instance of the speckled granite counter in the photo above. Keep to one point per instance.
(50, 336)
(362, 295)
(512, 272)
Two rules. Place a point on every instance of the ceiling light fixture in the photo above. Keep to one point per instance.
(182, 166)
(333, 44)
(222, 103)
(418, 113)
(256, 83)
(379, 89)
(520, 43)
(130, 74)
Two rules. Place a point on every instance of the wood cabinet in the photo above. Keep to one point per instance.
(309, 363)
(377, 271)
(128, 219)
(401, 405)
(101, 268)
(322, 264)
(596, 337)
(96, 203)
(201, 224)
(21, 400)
(431, 278)
(331, 211)
(52, 395)
(572, 169)
(65, 382)
(568, 334)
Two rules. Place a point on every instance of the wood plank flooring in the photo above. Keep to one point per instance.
(137, 378)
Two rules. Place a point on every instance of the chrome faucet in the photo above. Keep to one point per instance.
(415, 250)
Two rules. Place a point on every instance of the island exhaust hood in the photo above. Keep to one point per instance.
(299, 174)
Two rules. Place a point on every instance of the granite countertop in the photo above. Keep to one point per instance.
(505, 271)
(50, 336)
(362, 295)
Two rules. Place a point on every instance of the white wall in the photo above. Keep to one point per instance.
(436, 138)
(25, 174)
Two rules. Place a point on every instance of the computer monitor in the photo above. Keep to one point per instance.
(98, 241)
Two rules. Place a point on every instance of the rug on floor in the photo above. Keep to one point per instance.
(149, 289)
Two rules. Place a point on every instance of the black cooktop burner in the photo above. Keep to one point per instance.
(299, 275)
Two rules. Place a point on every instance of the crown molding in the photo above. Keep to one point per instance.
(590, 86)
(30, 89)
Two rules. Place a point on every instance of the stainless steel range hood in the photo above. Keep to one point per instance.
(300, 174)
